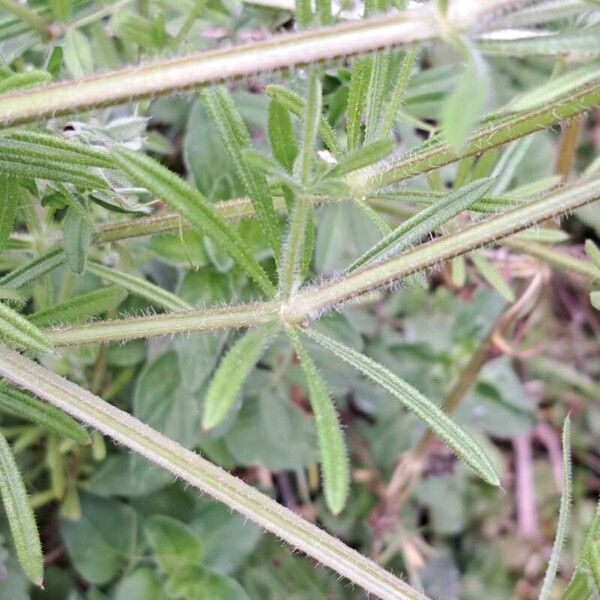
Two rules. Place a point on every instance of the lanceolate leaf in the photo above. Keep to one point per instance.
(77, 235)
(362, 157)
(296, 105)
(492, 276)
(81, 307)
(9, 202)
(25, 406)
(463, 107)
(236, 138)
(139, 286)
(281, 135)
(334, 461)
(20, 516)
(448, 430)
(357, 96)
(192, 205)
(17, 331)
(231, 374)
(38, 267)
(563, 515)
(425, 222)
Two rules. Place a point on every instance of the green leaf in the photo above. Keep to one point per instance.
(192, 205)
(362, 157)
(593, 253)
(77, 235)
(375, 94)
(25, 406)
(80, 307)
(20, 516)
(16, 330)
(139, 286)
(23, 80)
(78, 54)
(595, 563)
(141, 584)
(425, 222)
(236, 138)
(491, 275)
(194, 581)
(296, 105)
(173, 543)
(334, 459)
(36, 268)
(357, 97)
(231, 374)
(583, 42)
(9, 202)
(103, 540)
(463, 107)
(281, 135)
(450, 432)
(310, 125)
(398, 92)
(563, 514)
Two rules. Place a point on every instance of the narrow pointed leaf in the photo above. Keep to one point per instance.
(77, 235)
(20, 516)
(357, 96)
(38, 267)
(491, 275)
(25, 406)
(593, 253)
(362, 157)
(231, 374)
(236, 138)
(310, 126)
(334, 461)
(139, 286)
(398, 92)
(463, 107)
(448, 430)
(281, 135)
(375, 94)
(296, 105)
(9, 202)
(81, 307)
(595, 563)
(16, 330)
(425, 222)
(192, 205)
(563, 514)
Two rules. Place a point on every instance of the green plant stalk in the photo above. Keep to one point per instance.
(198, 472)
(437, 154)
(188, 72)
(227, 317)
(311, 302)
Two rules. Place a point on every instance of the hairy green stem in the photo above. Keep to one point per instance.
(314, 301)
(311, 302)
(198, 472)
(188, 72)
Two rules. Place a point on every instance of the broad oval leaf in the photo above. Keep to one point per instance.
(448, 430)
(16, 330)
(231, 374)
(192, 205)
(77, 235)
(334, 459)
(20, 516)
(25, 406)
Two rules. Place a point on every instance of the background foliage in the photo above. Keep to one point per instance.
(505, 337)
